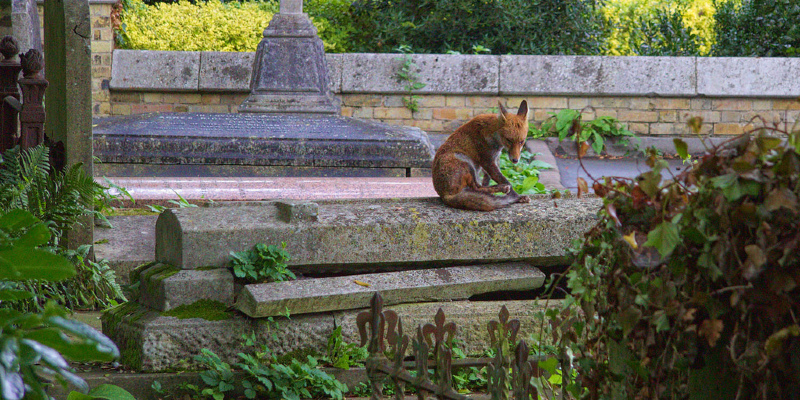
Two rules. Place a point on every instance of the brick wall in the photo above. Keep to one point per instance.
(443, 113)
(651, 95)
(102, 48)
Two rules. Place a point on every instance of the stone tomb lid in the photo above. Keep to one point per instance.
(260, 139)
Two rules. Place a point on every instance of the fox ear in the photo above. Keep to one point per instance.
(523, 109)
(503, 112)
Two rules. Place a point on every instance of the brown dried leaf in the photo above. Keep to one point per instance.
(781, 197)
(754, 264)
(688, 316)
(583, 187)
(583, 148)
(696, 123)
(711, 330)
(612, 212)
(600, 189)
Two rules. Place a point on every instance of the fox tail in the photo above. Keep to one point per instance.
(469, 199)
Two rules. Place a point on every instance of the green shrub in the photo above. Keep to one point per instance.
(214, 25)
(36, 346)
(59, 199)
(503, 26)
(263, 263)
(758, 28)
(689, 288)
(654, 27)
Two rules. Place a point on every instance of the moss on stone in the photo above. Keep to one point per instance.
(136, 273)
(209, 310)
(299, 355)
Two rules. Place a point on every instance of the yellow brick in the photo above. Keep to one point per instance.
(210, 98)
(760, 105)
(100, 9)
(610, 102)
(101, 72)
(671, 104)
(100, 95)
(189, 98)
(642, 103)
(102, 108)
(430, 101)
(423, 114)
(542, 102)
(481, 102)
(346, 112)
(667, 116)
(728, 129)
(732, 116)
(425, 125)
(392, 113)
(787, 104)
(120, 109)
(101, 46)
(126, 97)
(394, 101)
(541, 114)
(454, 101)
(639, 128)
(700, 104)
(362, 112)
(444, 113)
(637, 116)
(667, 129)
(577, 103)
(732, 105)
(603, 112)
(209, 108)
(709, 117)
(153, 97)
(464, 113)
(361, 100)
(235, 99)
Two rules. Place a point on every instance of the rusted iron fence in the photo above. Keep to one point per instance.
(22, 115)
(508, 373)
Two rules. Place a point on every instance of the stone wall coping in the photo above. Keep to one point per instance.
(353, 73)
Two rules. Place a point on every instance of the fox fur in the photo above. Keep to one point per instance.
(474, 147)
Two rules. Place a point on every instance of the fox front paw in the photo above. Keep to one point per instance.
(524, 199)
(505, 189)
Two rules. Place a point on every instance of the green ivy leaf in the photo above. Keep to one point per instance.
(681, 148)
(664, 238)
(21, 263)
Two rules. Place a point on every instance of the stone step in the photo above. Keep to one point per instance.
(150, 341)
(355, 291)
(352, 236)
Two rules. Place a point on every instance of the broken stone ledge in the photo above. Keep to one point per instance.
(352, 236)
(355, 291)
(151, 342)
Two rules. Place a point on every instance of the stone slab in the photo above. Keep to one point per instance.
(225, 71)
(386, 233)
(155, 70)
(164, 287)
(748, 77)
(151, 342)
(355, 291)
(240, 171)
(129, 244)
(260, 139)
(587, 75)
(442, 74)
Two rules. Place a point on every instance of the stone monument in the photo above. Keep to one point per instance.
(289, 73)
(288, 126)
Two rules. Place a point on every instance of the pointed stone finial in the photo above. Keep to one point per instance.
(8, 47)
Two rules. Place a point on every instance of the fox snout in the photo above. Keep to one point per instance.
(514, 160)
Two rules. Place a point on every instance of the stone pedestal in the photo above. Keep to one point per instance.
(289, 73)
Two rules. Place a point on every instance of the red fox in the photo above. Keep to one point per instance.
(473, 147)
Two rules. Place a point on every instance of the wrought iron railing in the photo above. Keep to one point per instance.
(508, 373)
(22, 115)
